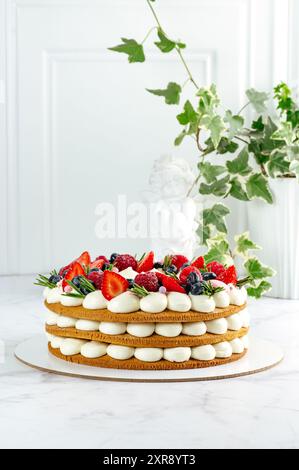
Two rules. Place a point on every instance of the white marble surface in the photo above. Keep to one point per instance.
(40, 410)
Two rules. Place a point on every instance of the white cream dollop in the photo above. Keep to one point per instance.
(154, 302)
(93, 349)
(244, 314)
(128, 273)
(149, 354)
(236, 296)
(169, 330)
(202, 303)
(66, 322)
(120, 352)
(194, 328)
(71, 346)
(203, 353)
(87, 325)
(52, 318)
(223, 349)
(70, 301)
(141, 330)
(217, 327)
(112, 328)
(177, 354)
(57, 341)
(178, 302)
(126, 302)
(245, 341)
(237, 345)
(54, 295)
(234, 322)
(221, 299)
(95, 300)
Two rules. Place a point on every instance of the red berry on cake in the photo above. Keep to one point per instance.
(113, 284)
(96, 277)
(102, 257)
(84, 259)
(216, 267)
(229, 275)
(125, 261)
(146, 263)
(199, 262)
(147, 280)
(97, 263)
(179, 260)
(186, 271)
(172, 285)
(75, 270)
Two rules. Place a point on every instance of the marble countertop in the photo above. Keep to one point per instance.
(41, 410)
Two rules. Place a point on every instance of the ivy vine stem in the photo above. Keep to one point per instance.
(148, 34)
(176, 48)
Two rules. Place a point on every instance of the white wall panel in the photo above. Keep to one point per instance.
(78, 127)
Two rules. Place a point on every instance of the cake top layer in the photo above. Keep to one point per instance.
(123, 284)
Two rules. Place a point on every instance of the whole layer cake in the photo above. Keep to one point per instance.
(124, 313)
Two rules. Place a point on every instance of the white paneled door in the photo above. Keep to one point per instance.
(77, 126)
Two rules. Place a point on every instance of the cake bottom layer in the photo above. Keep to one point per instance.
(135, 364)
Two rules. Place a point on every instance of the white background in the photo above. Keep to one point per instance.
(77, 126)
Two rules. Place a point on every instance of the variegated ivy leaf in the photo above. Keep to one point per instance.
(235, 123)
(131, 48)
(237, 190)
(244, 244)
(260, 289)
(218, 188)
(215, 125)
(239, 166)
(257, 186)
(258, 99)
(278, 164)
(210, 172)
(171, 93)
(257, 270)
(204, 233)
(219, 251)
(208, 100)
(216, 216)
(284, 132)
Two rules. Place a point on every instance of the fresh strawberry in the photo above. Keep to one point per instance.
(113, 284)
(179, 260)
(186, 271)
(84, 259)
(75, 270)
(65, 269)
(146, 263)
(216, 268)
(147, 280)
(199, 262)
(172, 285)
(106, 260)
(96, 277)
(229, 275)
(125, 261)
(97, 263)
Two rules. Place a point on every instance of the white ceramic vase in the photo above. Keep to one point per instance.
(276, 229)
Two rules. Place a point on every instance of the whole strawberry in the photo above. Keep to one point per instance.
(229, 275)
(216, 268)
(125, 261)
(147, 280)
(179, 260)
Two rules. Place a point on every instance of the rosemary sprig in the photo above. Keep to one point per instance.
(44, 281)
(210, 290)
(139, 290)
(167, 261)
(73, 294)
(84, 284)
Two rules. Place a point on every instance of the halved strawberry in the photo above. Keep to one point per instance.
(75, 270)
(179, 260)
(229, 275)
(186, 271)
(172, 285)
(216, 268)
(113, 284)
(98, 263)
(199, 262)
(146, 263)
(84, 259)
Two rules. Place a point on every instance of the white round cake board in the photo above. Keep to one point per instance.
(261, 355)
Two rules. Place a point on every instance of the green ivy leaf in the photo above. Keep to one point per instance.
(179, 139)
(262, 144)
(224, 146)
(237, 190)
(235, 123)
(165, 44)
(239, 166)
(216, 216)
(258, 99)
(259, 290)
(215, 125)
(257, 270)
(210, 172)
(258, 125)
(285, 132)
(244, 244)
(171, 93)
(132, 48)
(218, 188)
(257, 186)
(218, 252)
(278, 164)
(188, 115)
